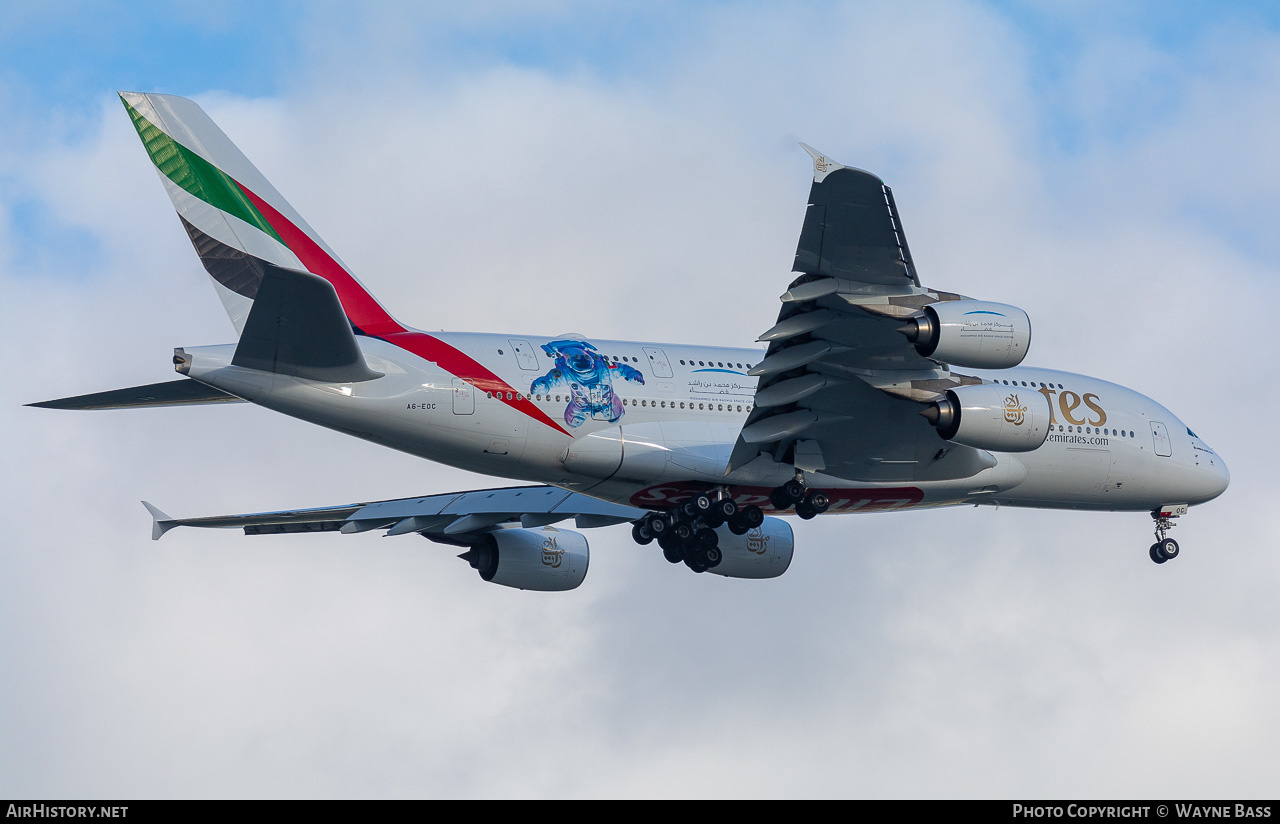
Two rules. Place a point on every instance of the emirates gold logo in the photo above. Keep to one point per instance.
(1014, 413)
(552, 554)
(757, 541)
(821, 165)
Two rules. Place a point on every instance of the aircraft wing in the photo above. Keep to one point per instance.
(840, 388)
(452, 518)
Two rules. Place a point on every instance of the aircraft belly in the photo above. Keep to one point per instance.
(653, 451)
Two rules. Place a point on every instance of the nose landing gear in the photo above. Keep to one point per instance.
(1165, 548)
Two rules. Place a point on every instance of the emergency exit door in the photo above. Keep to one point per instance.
(1160, 435)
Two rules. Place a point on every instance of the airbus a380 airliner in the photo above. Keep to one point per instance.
(853, 406)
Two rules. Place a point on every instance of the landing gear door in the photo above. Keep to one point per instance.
(1161, 437)
(658, 363)
(464, 399)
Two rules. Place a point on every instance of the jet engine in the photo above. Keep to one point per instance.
(545, 559)
(992, 416)
(764, 552)
(971, 333)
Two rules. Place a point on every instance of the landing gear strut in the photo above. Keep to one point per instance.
(1165, 548)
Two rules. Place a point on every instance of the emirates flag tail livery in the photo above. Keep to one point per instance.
(852, 406)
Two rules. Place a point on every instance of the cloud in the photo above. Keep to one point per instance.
(967, 652)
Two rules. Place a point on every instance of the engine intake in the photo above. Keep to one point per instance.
(992, 416)
(971, 333)
(545, 559)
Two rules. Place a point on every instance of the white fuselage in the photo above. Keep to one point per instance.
(646, 424)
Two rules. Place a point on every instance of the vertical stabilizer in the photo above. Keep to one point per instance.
(235, 218)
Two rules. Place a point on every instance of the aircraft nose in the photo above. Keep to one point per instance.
(1213, 479)
(1222, 477)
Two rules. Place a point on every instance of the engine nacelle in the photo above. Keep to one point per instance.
(971, 333)
(545, 559)
(761, 553)
(992, 416)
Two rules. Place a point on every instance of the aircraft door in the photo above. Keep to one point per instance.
(464, 399)
(658, 363)
(1161, 437)
(525, 356)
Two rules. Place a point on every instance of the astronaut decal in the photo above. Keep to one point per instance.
(588, 377)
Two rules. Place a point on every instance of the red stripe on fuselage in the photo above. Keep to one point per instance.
(457, 362)
(367, 315)
(362, 310)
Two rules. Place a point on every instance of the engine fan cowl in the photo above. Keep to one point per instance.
(973, 333)
(764, 552)
(545, 559)
(991, 416)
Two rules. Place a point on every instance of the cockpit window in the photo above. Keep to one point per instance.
(1192, 434)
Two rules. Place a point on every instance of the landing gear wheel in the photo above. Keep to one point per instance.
(682, 532)
(726, 508)
(706, 538)
(1168, 548)
(702, 503)
(751, 516)
(713, 556)
(794, 490)
(1156, 554)
(818, 502)
(805, 511)
(670, 548)
(659, 525)
(696, 561)
(737, 527)
(640, 533)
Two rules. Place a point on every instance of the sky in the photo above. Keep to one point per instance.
(631, 171)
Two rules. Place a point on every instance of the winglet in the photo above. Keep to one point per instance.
(822, 165)
(160, 522)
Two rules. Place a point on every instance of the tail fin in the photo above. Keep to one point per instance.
(236, 219)
(160, 522)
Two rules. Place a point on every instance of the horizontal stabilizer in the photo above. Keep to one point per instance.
(160, 522)
(297, 327)
(182, 392)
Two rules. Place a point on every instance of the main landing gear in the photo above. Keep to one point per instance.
(808, 503)
(1165, 548)
(688, 533)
